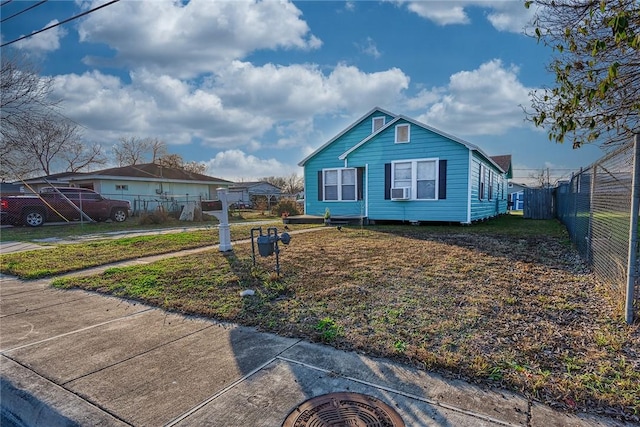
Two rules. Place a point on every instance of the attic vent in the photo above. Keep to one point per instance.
(401, 193)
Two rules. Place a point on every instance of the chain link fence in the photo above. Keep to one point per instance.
(596, 206)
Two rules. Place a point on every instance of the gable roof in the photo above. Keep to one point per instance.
(249, 184)
(504, 161)
(152, 170)
(354, 124)
(149, 171)
(422, 125)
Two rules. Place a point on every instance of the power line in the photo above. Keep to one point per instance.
(60, 23)
(5, 2)
(23, 10)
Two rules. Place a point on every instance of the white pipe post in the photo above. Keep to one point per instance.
(225, 232)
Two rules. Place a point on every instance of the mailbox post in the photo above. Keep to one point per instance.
(223, 227)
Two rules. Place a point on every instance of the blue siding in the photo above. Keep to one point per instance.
(382, 149)
(488, 206)
(328, 158)
(423, 144)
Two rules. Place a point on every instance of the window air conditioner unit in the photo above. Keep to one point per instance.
(402, 193)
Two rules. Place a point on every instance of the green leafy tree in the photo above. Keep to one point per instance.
(596, 96)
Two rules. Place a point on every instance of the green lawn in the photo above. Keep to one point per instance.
(64, 258)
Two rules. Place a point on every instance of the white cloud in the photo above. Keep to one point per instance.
(236, 165)
(369, 48)
(300, 91)
(442, 13)
(510, 16)
(241, 105)
(504, 15)
(47, 41)
(189, 39)
(485, 101)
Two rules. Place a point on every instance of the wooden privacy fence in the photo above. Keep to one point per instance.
(539, 203)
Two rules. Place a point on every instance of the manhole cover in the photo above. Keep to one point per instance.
(343, 409)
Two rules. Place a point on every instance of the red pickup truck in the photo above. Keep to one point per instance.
(60, 204)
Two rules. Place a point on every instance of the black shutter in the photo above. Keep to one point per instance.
(360, 182)
(320, 188)
(387, 181)
(442, 180)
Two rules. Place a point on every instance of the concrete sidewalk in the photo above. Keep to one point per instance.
(80, 358)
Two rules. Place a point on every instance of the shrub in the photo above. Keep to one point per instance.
(155, 217)
(286, 208)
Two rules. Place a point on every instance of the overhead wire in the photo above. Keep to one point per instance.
(23, 10)
(60, 23)
(5, 2)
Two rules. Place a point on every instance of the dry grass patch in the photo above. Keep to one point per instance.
(519, 312)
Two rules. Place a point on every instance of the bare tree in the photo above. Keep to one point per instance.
(34, 137)
(78, 156)
(24, 103)
(131, 151)
(171, 161)
(195, 167)
(291, 184)
(158, 149)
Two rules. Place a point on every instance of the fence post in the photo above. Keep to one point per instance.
(592, 189)
(632, 270)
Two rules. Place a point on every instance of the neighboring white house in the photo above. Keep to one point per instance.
(146, 186)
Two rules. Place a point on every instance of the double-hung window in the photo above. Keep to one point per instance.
(340, 184)
(419, 176)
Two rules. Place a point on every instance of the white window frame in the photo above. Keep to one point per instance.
(122, 187)
(340, 185)
(490, 193)
(403, 125)
(414, 176)
(482, 181)
(373, 123)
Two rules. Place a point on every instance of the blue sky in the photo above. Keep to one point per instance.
(252, 88)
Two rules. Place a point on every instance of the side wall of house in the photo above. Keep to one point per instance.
(489, 191)
(148, 195)
(328, 158)
(423, 144)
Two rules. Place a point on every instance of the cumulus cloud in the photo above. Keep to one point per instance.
(187, 39)
(509, 16)
(47, 41)
(233, 110)
(442, 13)
(485, 101)
(236, 165)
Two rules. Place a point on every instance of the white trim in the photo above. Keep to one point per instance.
(354, 124)
(401, 125)
(339, 185)
(470, 192)
(373, 123)
(414, 177)
(419, 124)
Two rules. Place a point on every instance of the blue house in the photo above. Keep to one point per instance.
(388, 167)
